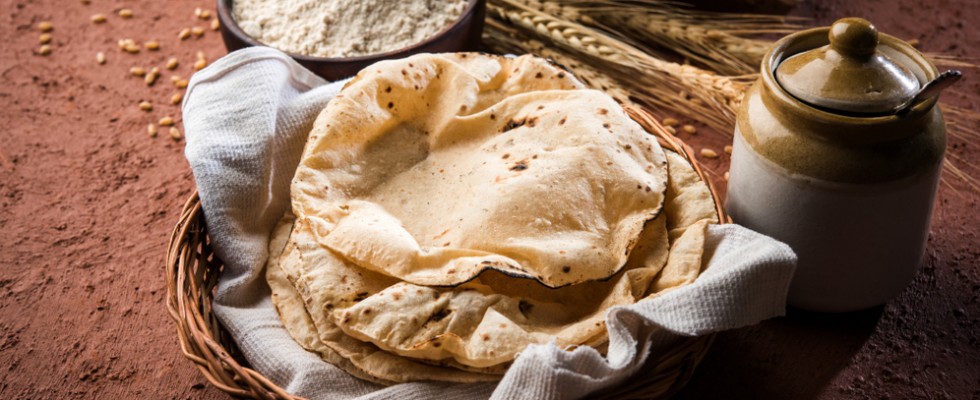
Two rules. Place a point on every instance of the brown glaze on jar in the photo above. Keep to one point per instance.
(822, 162)
(838, 146)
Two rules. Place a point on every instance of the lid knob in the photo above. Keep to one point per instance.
(854, 37)
(851, 75)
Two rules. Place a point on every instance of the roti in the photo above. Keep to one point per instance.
(425, 172)
(451, 210)
(488, 321)
(360, 359)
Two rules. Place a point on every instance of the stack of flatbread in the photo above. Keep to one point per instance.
(451, 210)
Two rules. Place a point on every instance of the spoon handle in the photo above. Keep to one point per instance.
(931, 89)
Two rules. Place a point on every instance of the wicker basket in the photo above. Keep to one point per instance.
(192, 273)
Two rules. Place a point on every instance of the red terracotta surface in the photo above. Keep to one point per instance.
(87, 202)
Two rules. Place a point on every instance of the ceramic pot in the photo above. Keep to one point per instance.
(821, 162)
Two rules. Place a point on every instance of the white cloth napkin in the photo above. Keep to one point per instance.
(247, 117)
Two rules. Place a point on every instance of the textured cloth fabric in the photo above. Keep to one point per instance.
(247, 117)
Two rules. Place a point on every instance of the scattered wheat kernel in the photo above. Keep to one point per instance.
(86, 2)
(914, 42)
(197, 31)
(44, 50)
(726, 176)
(201, 56)
(45, 26)
(151, 78)
(215, 24)
(708, 153)
(175, 133)
(670, 121)
(146, 106)
(728, 149)
(174, 78)
(176, 98)
(671, 129)
(689, 129)
(172, 64)
(126, 13)
(151, 130)
(45, 38)
(132, 48)
(98, 18)
(184, 34)
(181, 84)
(202, 14)
(137, 71)
(200, 64)
(166, 121)
(100, 57)
(152, 45)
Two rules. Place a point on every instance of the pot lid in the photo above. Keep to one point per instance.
(849, 75)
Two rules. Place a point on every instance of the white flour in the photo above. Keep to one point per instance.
(344, 28)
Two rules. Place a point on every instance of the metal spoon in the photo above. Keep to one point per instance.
(931, 89)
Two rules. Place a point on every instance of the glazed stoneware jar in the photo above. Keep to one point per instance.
(823, 162)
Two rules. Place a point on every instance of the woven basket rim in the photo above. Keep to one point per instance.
(192, 271)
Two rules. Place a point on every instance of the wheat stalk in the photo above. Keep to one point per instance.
(710, 39)
(684, 89)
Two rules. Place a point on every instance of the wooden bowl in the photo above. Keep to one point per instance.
(462, 35)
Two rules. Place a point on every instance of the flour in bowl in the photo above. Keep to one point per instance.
(343, 28)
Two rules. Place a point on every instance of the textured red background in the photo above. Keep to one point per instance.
(87, 202)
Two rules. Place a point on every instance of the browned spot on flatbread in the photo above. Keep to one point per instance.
(514, 123)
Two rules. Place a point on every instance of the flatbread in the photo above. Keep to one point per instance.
(431, 174)
(488, 321)
(453, 209)
(362, 360)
